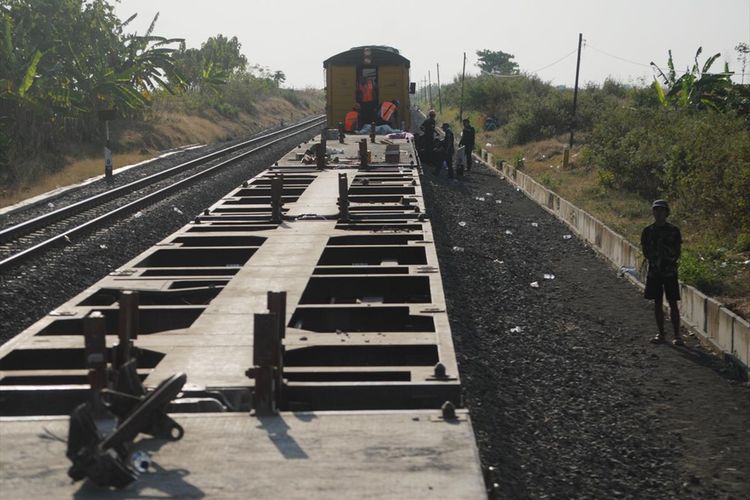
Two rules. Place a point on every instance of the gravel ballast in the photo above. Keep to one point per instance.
(567, 397)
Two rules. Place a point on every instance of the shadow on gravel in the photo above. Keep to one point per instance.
(726, 369)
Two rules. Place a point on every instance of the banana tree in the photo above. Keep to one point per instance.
(696, 88)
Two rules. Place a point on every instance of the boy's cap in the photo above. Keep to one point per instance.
(660, 204)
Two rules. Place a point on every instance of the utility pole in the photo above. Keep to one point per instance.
(429, 87)
(461, 106)
(575, 91)
(440, 99)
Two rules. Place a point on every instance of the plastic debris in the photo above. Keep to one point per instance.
(498, 201)
(508, 231)
(516, 329)
(567, 236)
(488, 145)
(67, 238)
(488, 194)
(462, 224)
(549, 276)
(138, 214)
(747, 262)
(457, 249)
(518, 189)
(479, 198)
(51, 205)
(534, 224)
(628, 270)
(103, 246)
(534, 284)
(498, 261)
(177, 210)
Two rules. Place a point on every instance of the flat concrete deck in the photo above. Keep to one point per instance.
(310, 456)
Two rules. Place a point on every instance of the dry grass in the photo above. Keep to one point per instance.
(166, 130)
(74, 172)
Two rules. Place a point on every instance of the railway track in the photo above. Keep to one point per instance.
(31, 237)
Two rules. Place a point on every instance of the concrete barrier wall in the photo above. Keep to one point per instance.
(712, 320)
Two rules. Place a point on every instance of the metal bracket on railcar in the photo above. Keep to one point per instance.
(268, 356)
(372, 133)
(103, 455)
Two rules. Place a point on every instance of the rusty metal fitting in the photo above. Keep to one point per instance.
(440, 371)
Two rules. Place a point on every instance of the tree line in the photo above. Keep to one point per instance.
(63, 61)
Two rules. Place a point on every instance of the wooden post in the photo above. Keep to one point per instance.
(461, 106)
(575, 92)
(440, 99)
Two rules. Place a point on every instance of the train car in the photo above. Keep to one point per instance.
(367, 76)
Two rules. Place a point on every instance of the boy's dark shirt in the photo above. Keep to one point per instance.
(428, 126)
(467, 137)
(661, 246)
(448, 144)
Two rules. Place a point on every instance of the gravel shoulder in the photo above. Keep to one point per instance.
(567, 396)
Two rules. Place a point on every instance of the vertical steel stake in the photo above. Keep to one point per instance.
(277, 307)
(321, 156)
(342, 135)
(363, 153)
(127, 327)
(343, 198)
(94, 331)
(277, 190)
(265, 356)
(372, 132)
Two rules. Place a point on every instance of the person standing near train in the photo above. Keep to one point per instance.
(366, 94)
(467, 141)
(447, 149)
(661, 243)
(428, 137)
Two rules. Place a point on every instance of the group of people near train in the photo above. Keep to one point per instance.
(440, 151)
(367, 110)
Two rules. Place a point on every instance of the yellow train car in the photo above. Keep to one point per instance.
(366, 77)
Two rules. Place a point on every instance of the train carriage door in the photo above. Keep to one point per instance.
(367, 93)
(393, 87)
(342, 91)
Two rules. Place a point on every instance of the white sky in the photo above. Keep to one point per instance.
(295, 36)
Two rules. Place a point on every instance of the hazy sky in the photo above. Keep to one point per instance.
(295, 36)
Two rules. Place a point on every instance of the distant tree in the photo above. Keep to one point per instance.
(279, 77)
(743, 53)
(224, 53)
(496, 62)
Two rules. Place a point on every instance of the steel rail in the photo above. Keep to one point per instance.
(20, 229)
(159, 195)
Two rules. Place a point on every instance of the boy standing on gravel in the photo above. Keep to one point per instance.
(661, 243)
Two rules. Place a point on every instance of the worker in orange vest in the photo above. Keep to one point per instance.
(366, 97)
(387, 109)
(351, 120)
(366, 90)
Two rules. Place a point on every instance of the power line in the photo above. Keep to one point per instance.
(520, 75)
(617, 57)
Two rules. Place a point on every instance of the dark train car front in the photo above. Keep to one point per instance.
(367, 76)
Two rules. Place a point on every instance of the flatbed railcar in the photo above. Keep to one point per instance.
(330, 267)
